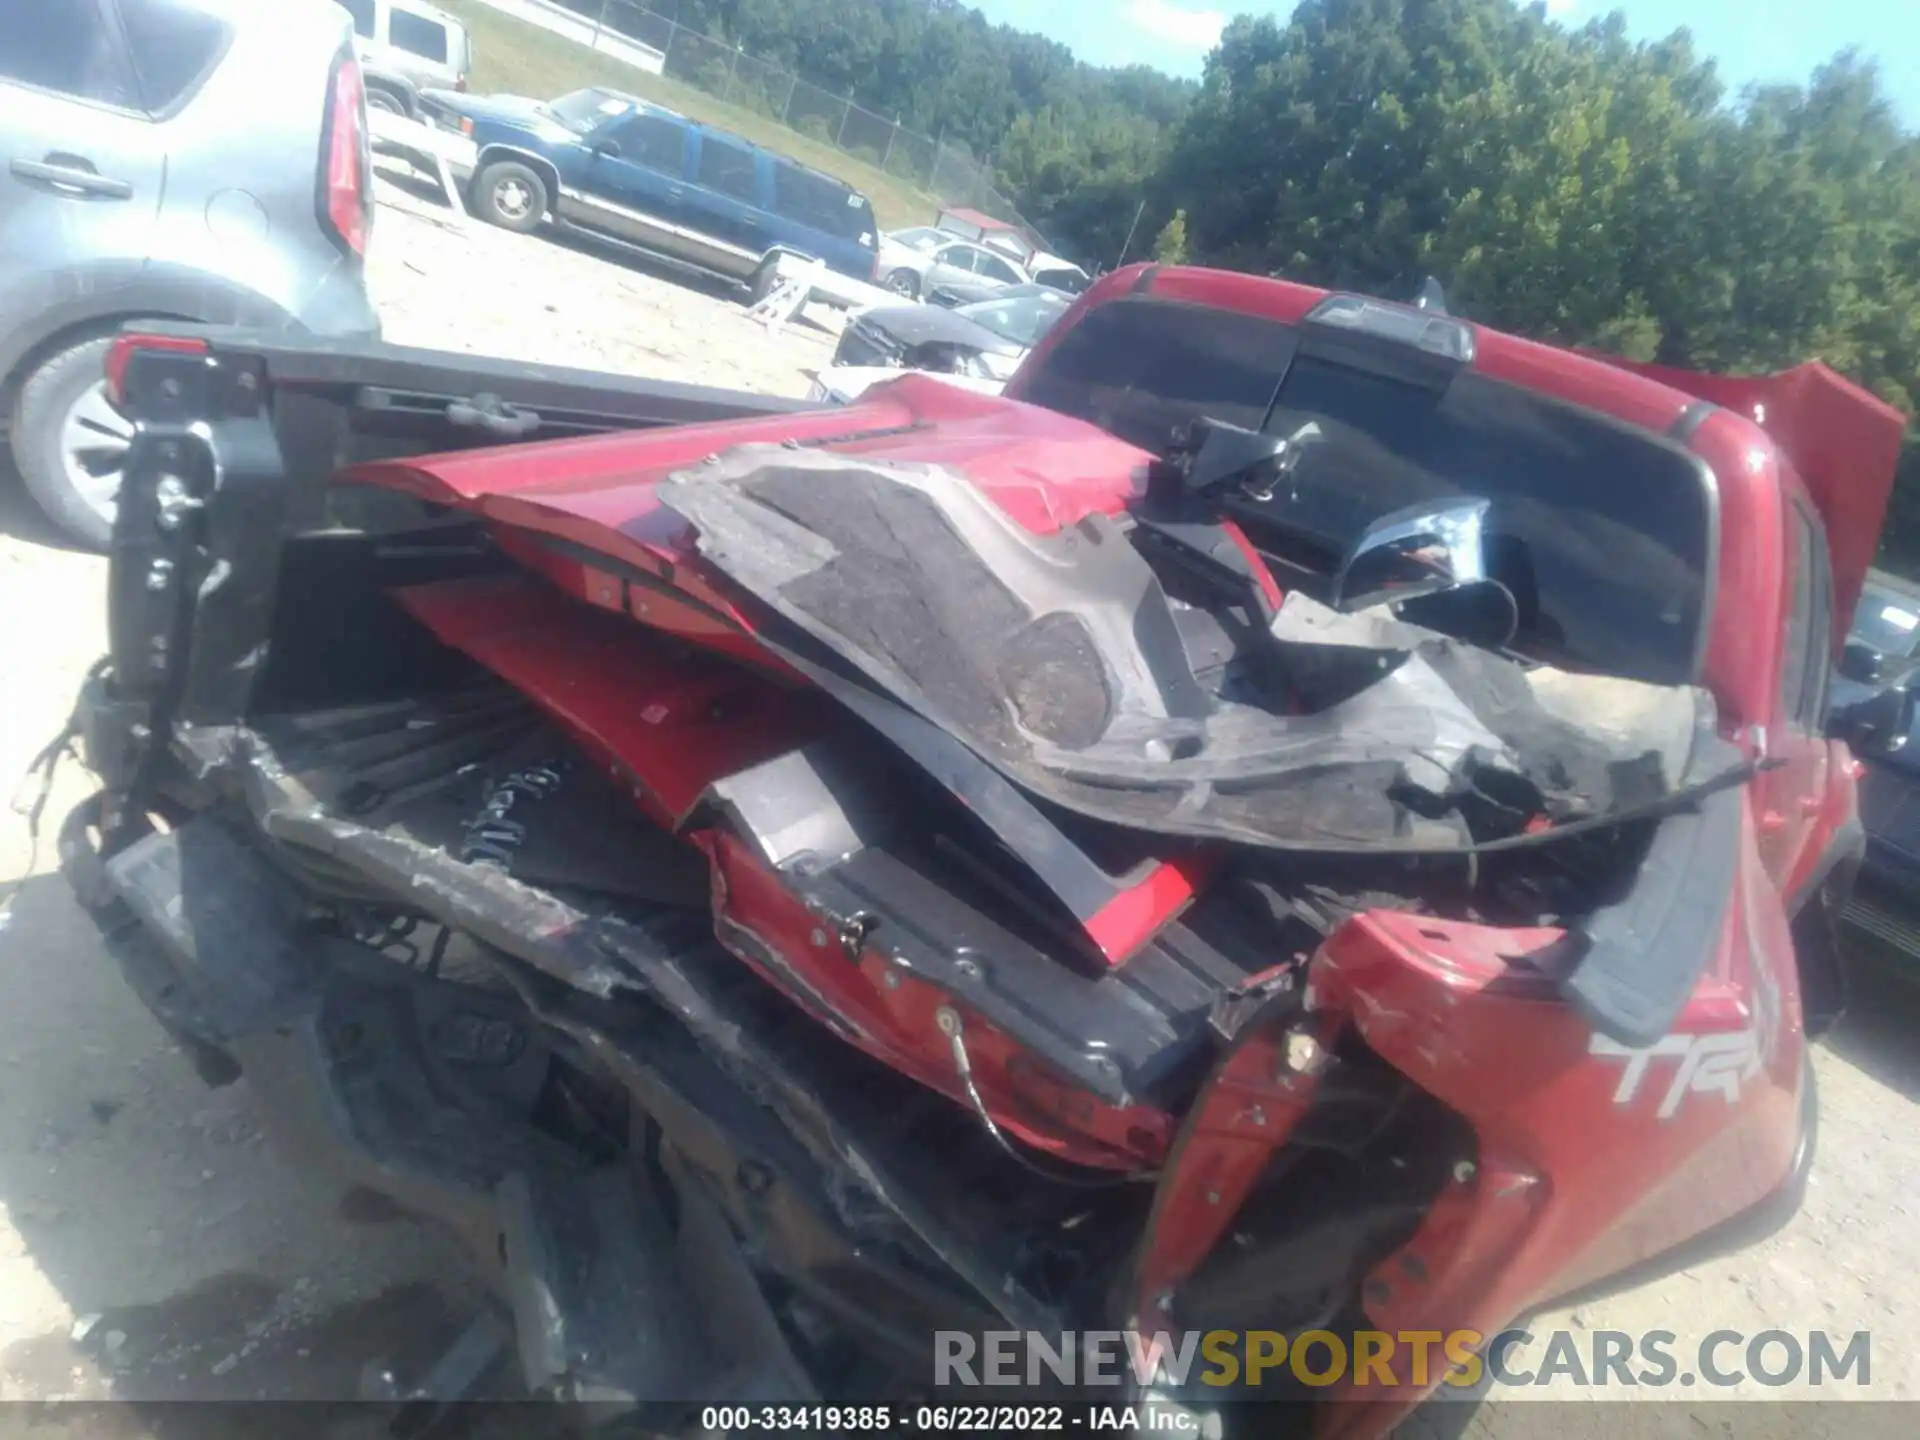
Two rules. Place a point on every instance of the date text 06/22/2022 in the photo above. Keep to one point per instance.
(1148, 1417)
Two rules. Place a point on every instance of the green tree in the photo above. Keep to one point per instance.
(1170, 246)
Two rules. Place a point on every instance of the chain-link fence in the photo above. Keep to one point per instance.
(942, 169)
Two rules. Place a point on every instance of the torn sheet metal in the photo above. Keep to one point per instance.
(1058, 660)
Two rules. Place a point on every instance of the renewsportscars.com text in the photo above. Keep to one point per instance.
(1653, 1359)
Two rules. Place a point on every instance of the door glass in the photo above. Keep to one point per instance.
(1794, 645)
(653, 141)
(1804, 666)
(174, 47)
(994, 268)
(727, 169)
(66, 48)
(819, 202)
(418, 35)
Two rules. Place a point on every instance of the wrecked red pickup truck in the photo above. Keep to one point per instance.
(1306, 814)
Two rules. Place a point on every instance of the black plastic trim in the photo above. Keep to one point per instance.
(1644, 954)
(309, 361)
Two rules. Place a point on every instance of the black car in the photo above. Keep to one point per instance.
(986, 339)
(1871, 706)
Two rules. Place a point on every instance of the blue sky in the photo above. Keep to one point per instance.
(1753, 40)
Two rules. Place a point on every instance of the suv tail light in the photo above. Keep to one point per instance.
(124, 347)
(346, 195)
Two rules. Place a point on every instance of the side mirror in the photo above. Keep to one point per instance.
(1877, 725)
(1216, 456)
(608, 148)
(1418, 551)
(1861, 663)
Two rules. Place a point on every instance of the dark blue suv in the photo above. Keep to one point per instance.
(648, 178)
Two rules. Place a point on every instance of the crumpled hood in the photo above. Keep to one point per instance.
(933, 324)
(1057, 658)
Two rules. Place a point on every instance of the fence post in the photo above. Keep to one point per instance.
(793, 84)
(733, 72)
(599, 23)
(890, 139)
(841, 134)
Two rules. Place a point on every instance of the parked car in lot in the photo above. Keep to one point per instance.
(405, 47)
(654, 181)
(915, 260)
(1872, 707)
(985, 341)
(954, 293)
(195, 159)
(1055, 271)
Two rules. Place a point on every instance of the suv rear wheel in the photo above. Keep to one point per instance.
(510, 195)
(70, 443)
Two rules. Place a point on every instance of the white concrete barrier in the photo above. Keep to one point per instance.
(584, 31)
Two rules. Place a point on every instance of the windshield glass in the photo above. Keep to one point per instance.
(920, 237)
(582, 110)
(1022, 319)
(1603, 532)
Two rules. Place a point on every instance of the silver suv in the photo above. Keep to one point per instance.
(186, 159)
(405, 47)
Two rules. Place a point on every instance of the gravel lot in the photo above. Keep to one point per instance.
(143, 1214)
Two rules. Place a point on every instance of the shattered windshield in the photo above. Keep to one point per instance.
(582, 110)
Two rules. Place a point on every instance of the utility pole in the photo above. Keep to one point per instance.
(1130, 229)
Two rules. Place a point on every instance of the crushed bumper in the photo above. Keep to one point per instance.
(425, 1092)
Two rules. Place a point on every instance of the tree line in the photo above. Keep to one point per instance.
(1569, 184)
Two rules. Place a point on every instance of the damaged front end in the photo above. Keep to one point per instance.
(842, 878)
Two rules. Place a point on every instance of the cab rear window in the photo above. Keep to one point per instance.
(1605, 532)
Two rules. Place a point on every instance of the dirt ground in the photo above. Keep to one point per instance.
(153, 1247)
